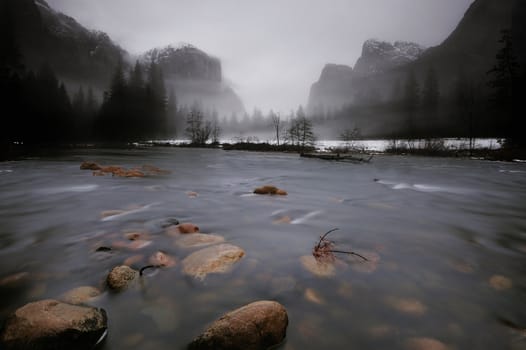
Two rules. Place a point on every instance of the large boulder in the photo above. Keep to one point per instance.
(259, 325)
(214, 259)
(50, 324)
(120, 277)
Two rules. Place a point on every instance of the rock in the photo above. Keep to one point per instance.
(365, 266)
(215, 259)
(89, 166)
(108, 213)
(425, 344)
(14, 279)
(80, 295)
(162, 259)
(198, 240)
(185, 227)
(461, 266)
(499, 282)
(131, 245)
(132, 340)
(120, 277)
(318, 268)
(50, 324)
(132, 260)
(269, 189)
(381, 331)
(407, 306)
(313, 296)
(283, 220)
(259, 325)
(137, 235)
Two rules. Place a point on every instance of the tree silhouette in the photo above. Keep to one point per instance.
(505, 82)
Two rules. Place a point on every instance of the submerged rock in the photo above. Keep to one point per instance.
(499, 282)
(198, 240)
(259, 325)
(120, 277)
(407, 306)
(365, 266)
(215, 259)
(313, 296)
(162, 259)
(425, 344)
(50, 324)
(80, 295)
(14, 279)
(318, 268)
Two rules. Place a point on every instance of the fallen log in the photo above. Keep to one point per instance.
(338, 157)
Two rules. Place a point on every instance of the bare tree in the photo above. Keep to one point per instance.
(197, 129)
(349, 136)
(277, 124)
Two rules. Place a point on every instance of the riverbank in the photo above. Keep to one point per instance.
(485, 150)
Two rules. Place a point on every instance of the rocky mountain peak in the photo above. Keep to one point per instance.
(185, 61)
(333, 71)
(379, 56)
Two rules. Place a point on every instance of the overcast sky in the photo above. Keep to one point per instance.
(271, 50)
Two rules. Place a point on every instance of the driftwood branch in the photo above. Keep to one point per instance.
(324, 251)
(148, 267)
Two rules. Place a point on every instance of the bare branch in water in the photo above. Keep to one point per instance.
(324, 252)
(350, 253)
(147, 267)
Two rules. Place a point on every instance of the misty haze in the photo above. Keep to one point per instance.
(254, 175)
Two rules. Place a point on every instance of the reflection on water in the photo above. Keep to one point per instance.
(448, 237)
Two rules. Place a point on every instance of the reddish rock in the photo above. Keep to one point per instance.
(50, 324)
(185, 227)
(256, 326)
(270, 189)
(89, 166)
(162, 259)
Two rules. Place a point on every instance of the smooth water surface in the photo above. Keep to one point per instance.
(443, 235)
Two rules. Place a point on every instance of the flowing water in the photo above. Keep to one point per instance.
(446, 241)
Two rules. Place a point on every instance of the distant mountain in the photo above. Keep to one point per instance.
(195, 76)
(333, 89)
(469, 50)
(339, 84)
(81, 56)
(381, 56)
(74, 52)
(185, 62)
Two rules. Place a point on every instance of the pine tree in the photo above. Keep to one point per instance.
(505, 83)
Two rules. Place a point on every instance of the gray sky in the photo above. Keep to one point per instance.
(271, 50)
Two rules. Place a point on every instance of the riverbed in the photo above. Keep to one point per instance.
(446, 241)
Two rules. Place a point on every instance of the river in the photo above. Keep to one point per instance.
(446, 240)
